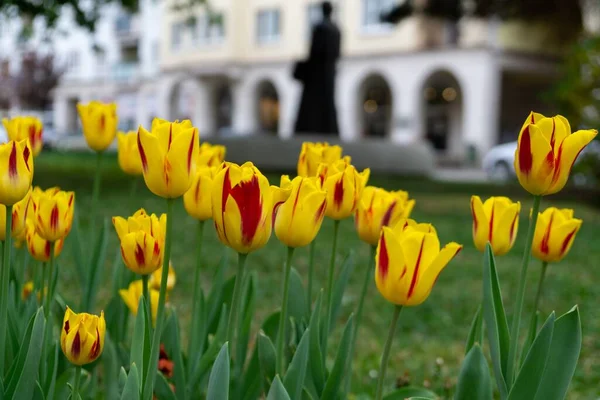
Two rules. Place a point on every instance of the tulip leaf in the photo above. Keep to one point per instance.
(247, 314)
(530, 375)
(131, 390)
(410, 392)
(476, 331)
(266, 358)
(217, 297)
(22, 381)
(77, 250)
(531, 335)
(139, 340)
(277, 391)
(171, 340)
(198, 337)
(38, 392)
(218, 383)
(96, 267)
(297, 297)
(252, 385)
(562, 358)
(52, 372)
(163, 390)
(338, 370)
(316, 357)
(495, 320)
(294, 378)
(474, 379)
(338, 289)
(122, 379)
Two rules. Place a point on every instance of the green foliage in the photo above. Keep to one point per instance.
(474, 380)
(218, 383)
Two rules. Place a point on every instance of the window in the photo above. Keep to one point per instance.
(211, 29)
(372, 10)
(73, 61)
(123, 23)
(268, 27)
(176, 35)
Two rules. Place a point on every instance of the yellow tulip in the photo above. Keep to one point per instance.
(82, 337)
(156, 278)
(242, 205)
(554, 234)
(210, 155)
(378, 208)
(197, 200)
(16, 171)
(409, 261)
(131, 297)
(19, 216)
(54, 216)
(344, 186)
(142, 239)
(38, 247)
(21, 128)
(314, 154)
(546, 152)
(169, 155)
(27, 290)
(99, 122)
(128, 153)
(299, 218)
(495, 221)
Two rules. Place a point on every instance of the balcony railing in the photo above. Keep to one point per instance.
(127, 72)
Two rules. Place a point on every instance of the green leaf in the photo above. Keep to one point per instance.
(162, 389)
(171, 340)
(52, 372)
(531, 334)
(563, 356)
(77, 249)
(28, 361)
(294, 377)
(96, 267)
(38, 392)
(217, 295)
(110, 362)
(495, 320)
(338, 289)
(266, 357)
(122, 379)
(199, 333)
(410, 392)
(277, 391)
(131, 390)
(530, 375)
(247, 314)
(218, 383)
(316, 357)
(339, 367)
(475, 333)
(297, 297)
(474, 379)
(252, 385)
(139, 340)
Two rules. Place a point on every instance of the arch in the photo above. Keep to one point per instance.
(267, 107)
(374, 106)
(222, 107)
(442, 112)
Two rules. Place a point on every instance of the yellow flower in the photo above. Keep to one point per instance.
(242, 204)
(16, 171)
(299, 218)
(131, 297)
(99, 122)
(546, 152)
(495, 221)
(54, 215)
(197, 200)
(27, 290)
(168, 155)
(21, 128)
(409, 261)
(82, 337)
(210, 155)
(378, 208)
(19, 216)
(344, 186)
(142, 239)
(554, 234)
(314, 154)
(156, 278)
(38, 247)
(129, 155)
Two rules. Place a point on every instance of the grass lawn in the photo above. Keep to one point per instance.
(430, 340)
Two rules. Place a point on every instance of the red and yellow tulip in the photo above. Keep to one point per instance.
(99, 122)
(128, 153)
(495, 221)
(16, 171)
(198, 200)
(344, 186)
(21, 128)
(40, 248)
(314, 154)
(156, 278)
(54, 213)
(82, 337)
(19, 216)
(131, 297)
(210, 155)
(554, 234)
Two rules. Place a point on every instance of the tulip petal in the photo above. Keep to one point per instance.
(153, 163)
(534, 160)
(505, 229)
(561, 239)
(481, 224)
(419, 249)
(390, 267)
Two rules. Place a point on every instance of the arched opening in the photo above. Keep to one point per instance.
(375, 106)
(442, 112)
(223, 109)
(267, 107)
(183, 101)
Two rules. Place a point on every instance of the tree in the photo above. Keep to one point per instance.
(37, 77)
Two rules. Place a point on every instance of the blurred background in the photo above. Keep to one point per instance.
(422, 86)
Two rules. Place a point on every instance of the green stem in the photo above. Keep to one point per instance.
(235, 300)
(160, 318)
(386, 352)
(283, 315)
(95, 196)
(49, 291)
(5, 276)
(192, 340)
(75, 394)
(538, 295)
(516, 322)
(40, 284)
(146, 294)
(134, 185)
(336, 225)
(311, 267)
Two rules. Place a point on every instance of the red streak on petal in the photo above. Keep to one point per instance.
(475, 222)
(513, 226)
(54, 218)
(248, 198)
(384, 260)
(139, 256)
(338, 193)
(32, 135)
(71, 199)
(12, 161)
(26, 154)
(296, 200)
(321, 211)
(552, 138)
(95, 350)
(491, 227)
(47, 249)
(224, 196)
(413, 282)
(142, 154)
(197, 192)
(156, 249)
(76, 346)
(102, 124)
(66, 327)
(525, 155)
(388, 214)
(170, 136)
(275, 209)
(544, 246)
(567, 241)
(190, 152)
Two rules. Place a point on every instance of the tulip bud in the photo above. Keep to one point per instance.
(19, 216)
(27, 290)
(409, 261)
(99, 122)
(314, 154)
(299, 218)
(16, 171)
(54, 216)
(128, 153)
(156, 278)
(142, 239)
(21, 128)
(197, 200)
(210, 155)
(378, 208)
(169, 157)
(344, 186)
(131, 297)
(82, 337)
(554, 234)
(546, 152)
(495, 221)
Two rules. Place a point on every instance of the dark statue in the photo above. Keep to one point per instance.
(317, 113)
